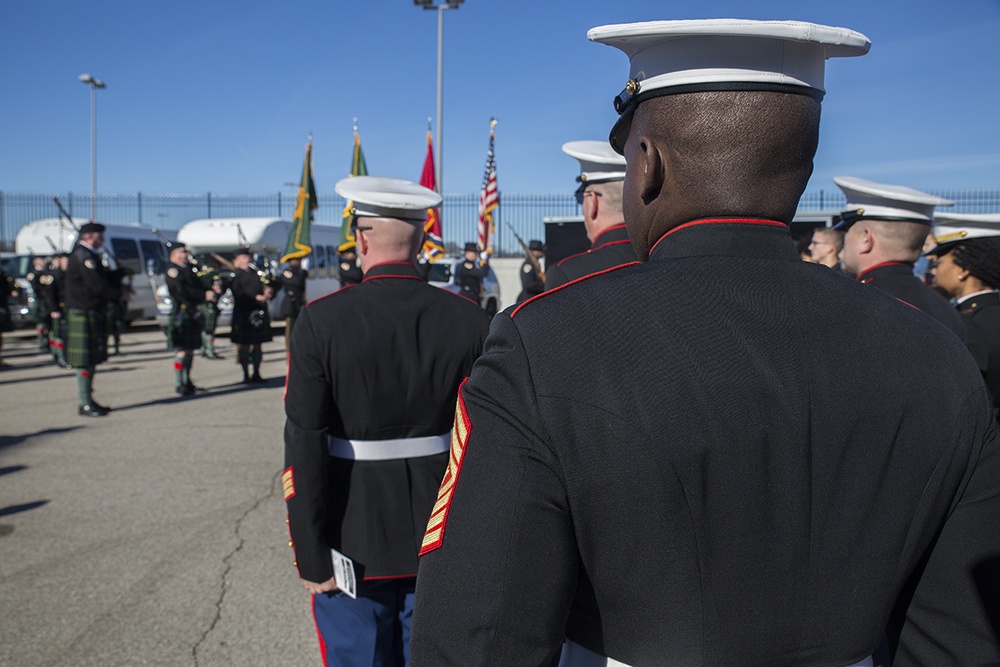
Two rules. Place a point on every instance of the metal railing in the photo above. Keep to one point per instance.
(523, 212)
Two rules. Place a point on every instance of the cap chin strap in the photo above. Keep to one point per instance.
(626, 102)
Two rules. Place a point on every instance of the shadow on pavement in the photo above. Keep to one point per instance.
(11, 469)
(24, 507)
(13, 440)
(205, 393)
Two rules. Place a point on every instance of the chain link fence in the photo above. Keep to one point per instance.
(518, 213)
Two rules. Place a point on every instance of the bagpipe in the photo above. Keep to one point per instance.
(117, 274)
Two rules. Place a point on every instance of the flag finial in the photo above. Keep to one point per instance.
(428, 123)
(355, 123)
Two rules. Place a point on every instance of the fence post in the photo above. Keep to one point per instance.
(279, 203)
(138, 199)
(209, 201)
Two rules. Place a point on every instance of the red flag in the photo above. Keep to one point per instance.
(434, 239)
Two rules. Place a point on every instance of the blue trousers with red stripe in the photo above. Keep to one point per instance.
(373, 630)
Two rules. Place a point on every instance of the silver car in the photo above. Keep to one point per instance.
(442, 274)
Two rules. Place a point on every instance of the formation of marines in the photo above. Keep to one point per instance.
(634, 464)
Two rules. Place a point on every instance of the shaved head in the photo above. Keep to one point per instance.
(388, 240)
(717, 154)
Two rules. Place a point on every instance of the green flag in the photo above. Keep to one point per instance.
(358, 168)
(298, 244)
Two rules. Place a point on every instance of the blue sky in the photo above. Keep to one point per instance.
(212, 96)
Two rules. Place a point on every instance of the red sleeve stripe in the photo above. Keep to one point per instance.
(462, 428)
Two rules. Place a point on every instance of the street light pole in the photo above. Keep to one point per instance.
(438, 159)
(94, 85)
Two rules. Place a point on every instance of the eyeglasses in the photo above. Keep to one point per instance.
(363, 228)
(580, 196)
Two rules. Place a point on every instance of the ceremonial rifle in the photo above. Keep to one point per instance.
(531, 257)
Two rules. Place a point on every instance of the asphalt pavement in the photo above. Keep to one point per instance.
(155, 535)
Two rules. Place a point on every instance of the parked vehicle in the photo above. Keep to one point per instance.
(442, 274)
(137, 249)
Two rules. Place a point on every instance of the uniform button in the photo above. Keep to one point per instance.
(291, 544)
(287, 521)
(295, 563)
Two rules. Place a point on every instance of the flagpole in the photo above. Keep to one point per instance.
(438, 163)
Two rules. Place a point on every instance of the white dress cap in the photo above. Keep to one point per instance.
(670, 57)
(599, 162)
(878, 201)
(951, 229)
(382, 197)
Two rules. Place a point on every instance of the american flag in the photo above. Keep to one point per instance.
(489, 198)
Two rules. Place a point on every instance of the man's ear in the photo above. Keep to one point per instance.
(649, 169)
(867, 240)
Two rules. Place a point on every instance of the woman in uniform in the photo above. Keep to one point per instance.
(968, 270)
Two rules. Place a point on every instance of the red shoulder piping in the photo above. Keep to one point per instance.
(572, 282)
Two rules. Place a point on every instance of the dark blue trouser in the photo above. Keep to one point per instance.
(373, 630)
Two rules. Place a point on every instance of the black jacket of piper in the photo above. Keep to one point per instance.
(722, 456)
(186, 288)
(374, 361)
(89, 285)
(246, 286)
(611, 248)
(897, 279)
(982, 320)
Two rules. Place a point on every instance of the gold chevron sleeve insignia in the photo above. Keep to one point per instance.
(288, 482)
(434, 537)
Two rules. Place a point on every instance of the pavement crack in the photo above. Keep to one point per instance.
(229, 565)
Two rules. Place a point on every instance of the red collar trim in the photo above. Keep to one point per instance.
(572, 282)
(327, 296)
(861, 276)
(711, 221)
(392, 270)
(609, 229)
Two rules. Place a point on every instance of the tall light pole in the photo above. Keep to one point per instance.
(94, 85)
(429, 4)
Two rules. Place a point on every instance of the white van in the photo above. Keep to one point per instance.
(135, 248)
(266, 239)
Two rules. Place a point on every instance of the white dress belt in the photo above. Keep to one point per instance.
(574, 655)
(387, 450)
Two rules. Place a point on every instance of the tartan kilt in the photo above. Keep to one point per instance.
(86, 338)
(184, 330)
(211, 315)
(244, 333)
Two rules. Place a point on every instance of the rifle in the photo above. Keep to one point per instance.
(531, 257)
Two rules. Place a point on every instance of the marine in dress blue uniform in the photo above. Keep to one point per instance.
(646, 464)
(967, 269)
(374, 370)
(600, 197)
(885, 228)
